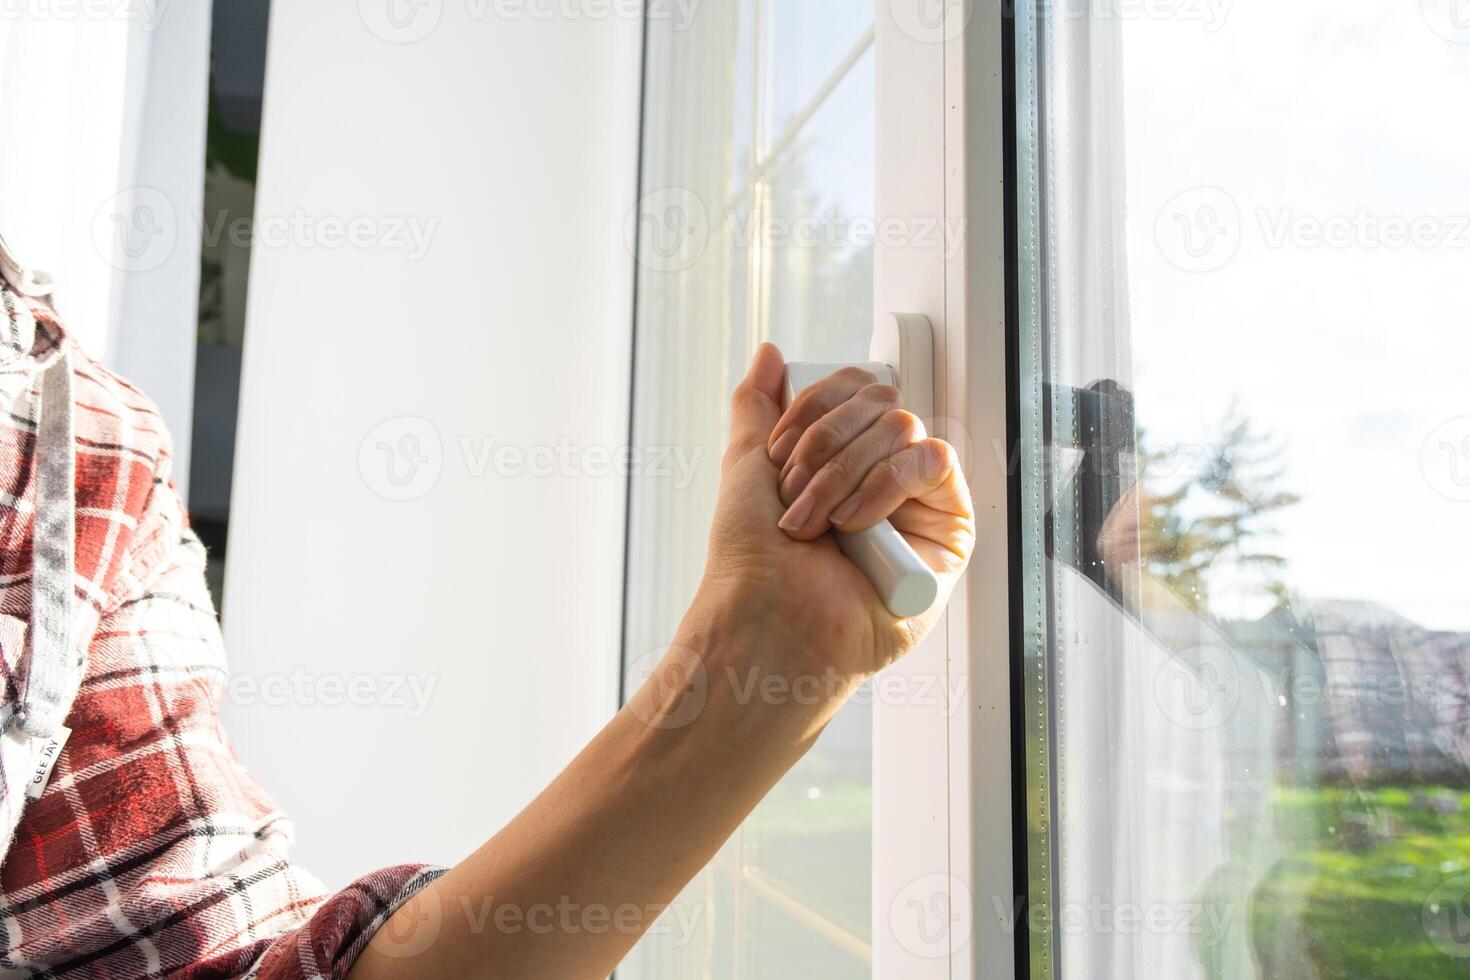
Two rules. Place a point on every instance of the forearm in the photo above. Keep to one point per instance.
(571, 883)
(783, 631)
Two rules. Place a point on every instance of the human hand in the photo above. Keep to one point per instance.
(844, 454)
(1120, 541)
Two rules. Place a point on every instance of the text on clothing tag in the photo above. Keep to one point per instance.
(50, 752)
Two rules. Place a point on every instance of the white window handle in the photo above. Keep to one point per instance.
(902, 355)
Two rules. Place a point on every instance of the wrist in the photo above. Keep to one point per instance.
(735, 673)
(759, 670)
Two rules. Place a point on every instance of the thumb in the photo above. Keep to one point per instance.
(755, 408)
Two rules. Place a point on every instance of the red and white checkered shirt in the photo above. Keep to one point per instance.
(150, 851)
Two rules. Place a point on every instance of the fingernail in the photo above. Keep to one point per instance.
(795, 518)
(846, 509)
(795, 482)
(781, 451)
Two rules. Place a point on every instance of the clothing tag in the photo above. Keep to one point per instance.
(50, 752)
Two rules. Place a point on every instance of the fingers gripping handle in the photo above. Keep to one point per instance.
(903, 356)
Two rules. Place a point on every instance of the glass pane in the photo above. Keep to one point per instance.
(733, 251)
(820, 295)
(1246, 488)
(807, 45)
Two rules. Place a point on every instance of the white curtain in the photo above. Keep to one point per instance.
(103, 111)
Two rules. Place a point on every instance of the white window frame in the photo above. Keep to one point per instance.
(943, 781)
(943, 826)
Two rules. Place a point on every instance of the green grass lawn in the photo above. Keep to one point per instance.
(1362, 870)
(1351, 892)
(821, 850)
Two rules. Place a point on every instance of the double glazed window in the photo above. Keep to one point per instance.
(1246, 498)
(1238, 453)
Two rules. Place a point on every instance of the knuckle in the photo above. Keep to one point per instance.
(889, 472)
(882, 394)
(801, 404)
(820, 441)
(856, 374)
(745, 397)
(841, 470)
(906, 427)
(738, 448)
(805, 409)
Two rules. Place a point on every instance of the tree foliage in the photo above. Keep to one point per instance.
(1216, 517)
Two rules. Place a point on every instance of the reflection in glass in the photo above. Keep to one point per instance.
(807, 45)
(1242, 426)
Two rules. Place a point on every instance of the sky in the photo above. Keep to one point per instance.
(1283, 120)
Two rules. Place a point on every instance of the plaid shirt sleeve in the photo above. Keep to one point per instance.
(152, 851)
